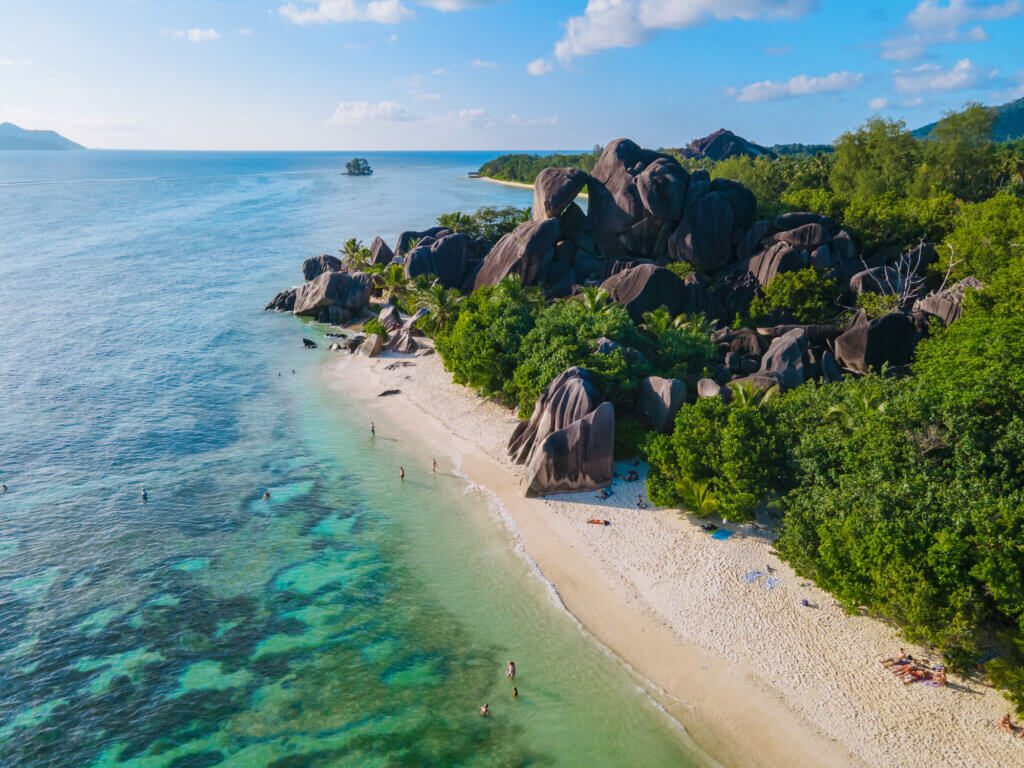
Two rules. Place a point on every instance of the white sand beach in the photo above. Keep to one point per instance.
(751, 673)
(519, 184)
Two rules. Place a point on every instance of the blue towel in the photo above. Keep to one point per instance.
(772, 582)
(751, 576)
(721, 534)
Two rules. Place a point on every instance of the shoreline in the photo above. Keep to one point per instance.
(755, 679)
(518, 184)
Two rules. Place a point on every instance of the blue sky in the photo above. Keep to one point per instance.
(484, 74)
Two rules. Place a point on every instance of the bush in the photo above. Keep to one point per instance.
(877, 305)
(805, 296)
(988, 236)
(375, 326)
(482, 347)
(629, 437)
(888, 221)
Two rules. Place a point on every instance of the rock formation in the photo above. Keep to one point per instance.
(554, 189)
(527, 251)
(578, 457)
(658, 401)
(721, 144)
(348, 291)
(947, 303)
(444, 257)
(317, 265)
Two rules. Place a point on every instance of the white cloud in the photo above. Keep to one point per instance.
(628, 23)
(324, 11)
(440, 71)
(929, 78)
(915, 102)
(427, 96)
(481, 64)
(932, 23)
(539, 66)
(478, 117)
(197, 35)
(362, 113)
(14, 62)
(801, 85)
(880, 103)
(1013, 92)
(783, 50)
(245, 31)
(453, 5)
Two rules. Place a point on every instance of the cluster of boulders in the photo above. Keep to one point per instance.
(644, 213)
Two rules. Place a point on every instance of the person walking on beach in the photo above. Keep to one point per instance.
(510, 672)
(401, 473)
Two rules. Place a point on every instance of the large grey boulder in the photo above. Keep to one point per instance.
(578, 457)
(372, 346)
(947, 304)
(570, 396)
(317, 265)
(779, 257)
(646, 287)
(346, 290)
(390, 317)
(784, 359)
(445, 257)
(554, 189)
(402, 341)
(382, 254)
(406, 239)
(864, 346)
(283, 302)
(714, 223)
(662, 188)
(658, 401)
(526, 251)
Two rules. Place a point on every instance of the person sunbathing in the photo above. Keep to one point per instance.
(940, 677)
(1006, 724)
(898, 659)
(915, 674)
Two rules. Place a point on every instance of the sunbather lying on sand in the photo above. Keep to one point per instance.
(899, 659)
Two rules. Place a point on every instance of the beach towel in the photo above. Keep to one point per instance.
(751, 576)
(772, 582)
(721, 534)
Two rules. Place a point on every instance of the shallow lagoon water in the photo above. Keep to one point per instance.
(349, 620)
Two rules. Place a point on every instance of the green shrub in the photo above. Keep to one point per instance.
(806, 296)
(988, 236)
(877, 305)
(375, 326)
(629, 437)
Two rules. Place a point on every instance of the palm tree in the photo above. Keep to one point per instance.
(697, 496)
(357, 256)
(657, 322)
(698, 323)
(393, 283)
(596, 299)
(850, 415)
(442, 304)
(512, 287)
(747, 395)
(459, 222)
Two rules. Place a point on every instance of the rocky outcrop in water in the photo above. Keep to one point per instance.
(317, 265)
(344, 291)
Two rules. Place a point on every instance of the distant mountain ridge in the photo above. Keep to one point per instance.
(1009, 123)
(13, 137)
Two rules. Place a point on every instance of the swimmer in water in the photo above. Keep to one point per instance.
(3, 488)
(515, 692)
(510, 671)
(145, 496)
(373, 429)
(401, 475)
(484, 711)
(266, 495)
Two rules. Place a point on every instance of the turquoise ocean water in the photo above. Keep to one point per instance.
(347, 621)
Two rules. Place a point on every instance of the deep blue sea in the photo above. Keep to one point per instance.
(347, 620)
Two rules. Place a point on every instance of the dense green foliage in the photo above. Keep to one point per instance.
(524, 168)
(1009, 123)
(489, 222)
(358, 166)
(373, 325)
(806, 296)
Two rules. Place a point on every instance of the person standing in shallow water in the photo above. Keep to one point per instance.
(510, 671)
(373, 429)
(485, 711)
(435, 465)
(145, 496)
(401, 473)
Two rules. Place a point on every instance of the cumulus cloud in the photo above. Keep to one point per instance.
(880, 103)
(453, 5)
(930, 78)
(362, 113)
(628, 23)
(933, 23)
(801, 85)
(197, 35)
(481, 64)
(324, 11)
(539, 66)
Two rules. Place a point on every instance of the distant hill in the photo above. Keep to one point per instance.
(13, 137)
(721, 144)
(1009, 124)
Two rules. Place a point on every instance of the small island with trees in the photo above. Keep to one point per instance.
(358, 166)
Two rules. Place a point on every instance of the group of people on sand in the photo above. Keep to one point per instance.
(510, 673)
(910, 670)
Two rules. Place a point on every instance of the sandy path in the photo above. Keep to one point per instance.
(752, 674)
